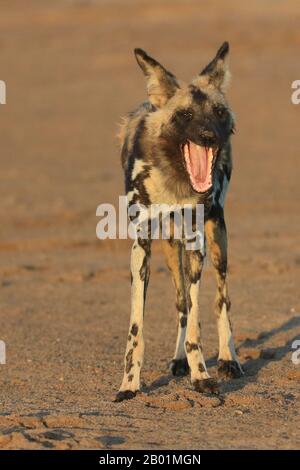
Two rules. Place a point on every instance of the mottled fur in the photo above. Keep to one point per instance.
(155, 173)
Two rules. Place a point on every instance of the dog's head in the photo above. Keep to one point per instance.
(194, 121)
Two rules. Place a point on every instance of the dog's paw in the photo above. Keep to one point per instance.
(206, 386)
(179, 367)
(125, 395)
(229, 369)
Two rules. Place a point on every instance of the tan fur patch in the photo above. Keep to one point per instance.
(159, 194)
(216, 240)
(172, 254)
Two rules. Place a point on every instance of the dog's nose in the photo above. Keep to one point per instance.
(208, 134)
(208, 137)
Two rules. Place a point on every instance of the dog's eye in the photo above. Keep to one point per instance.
(187, 115)
(183, 116)
(220, 112)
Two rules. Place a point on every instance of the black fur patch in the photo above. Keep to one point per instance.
(179, 367)
(197, 95)
(146, 245)
(194, 272)
(191, 347)
(129, 362)
(217, 215)
(144, 269)
(124, 395)
(222, 300)
(134, 329)
(206, 386)
(181, 302)
(133, 153)
(138, 183)
(228, 370)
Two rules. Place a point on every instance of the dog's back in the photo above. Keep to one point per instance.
(128, 129)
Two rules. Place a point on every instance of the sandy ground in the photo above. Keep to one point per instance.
(64, 296)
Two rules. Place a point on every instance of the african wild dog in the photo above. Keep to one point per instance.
(176, 150)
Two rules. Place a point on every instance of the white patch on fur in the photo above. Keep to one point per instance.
(226, 345)
(136, 317)
(181, 334)
(195, 357)
(139, 166)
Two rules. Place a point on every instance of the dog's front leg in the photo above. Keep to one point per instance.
(199, 376)
(140, 270)
(215, 232)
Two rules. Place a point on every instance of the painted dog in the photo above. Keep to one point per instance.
(176, 150)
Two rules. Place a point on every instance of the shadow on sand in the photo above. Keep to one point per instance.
(251, 366)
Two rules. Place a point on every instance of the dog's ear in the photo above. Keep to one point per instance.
(161, 84)
(216, 73)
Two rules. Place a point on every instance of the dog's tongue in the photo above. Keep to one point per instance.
(199, 165)
(198, 161)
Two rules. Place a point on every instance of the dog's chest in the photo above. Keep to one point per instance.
(151, 186)
(161, 193)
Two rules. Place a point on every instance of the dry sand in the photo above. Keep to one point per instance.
(64, 298)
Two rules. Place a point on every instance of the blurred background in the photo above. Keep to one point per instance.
(71, 74)
(64, 304)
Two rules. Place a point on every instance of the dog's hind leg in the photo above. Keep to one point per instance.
(174, 252)
(199, 376)
(216, 237)
(140, 271)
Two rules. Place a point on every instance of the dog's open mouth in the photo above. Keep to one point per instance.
(199, 164)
